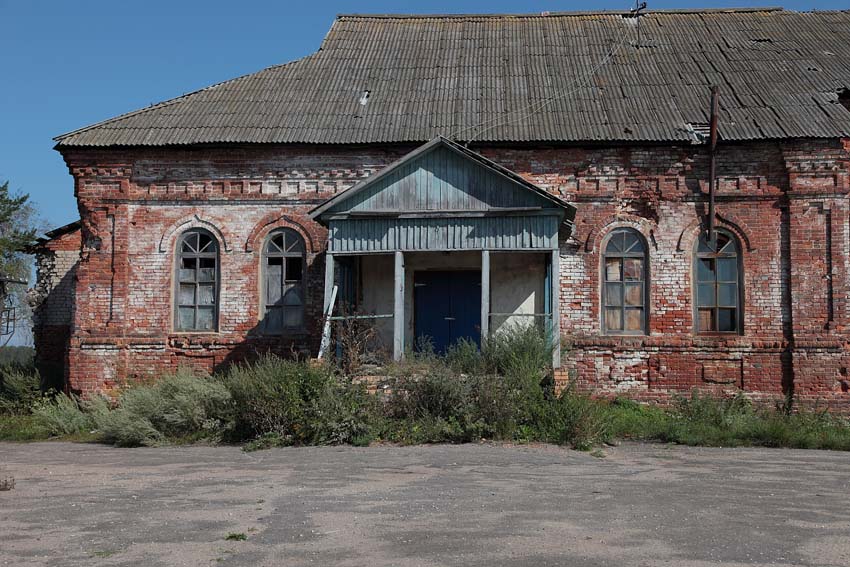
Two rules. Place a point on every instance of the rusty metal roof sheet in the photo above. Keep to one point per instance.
(554, 77)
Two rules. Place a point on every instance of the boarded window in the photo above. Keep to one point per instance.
(197, 282)
(283, 282)
(624, 283)
(717, 278)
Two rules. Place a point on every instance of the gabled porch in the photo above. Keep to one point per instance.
(445, 244)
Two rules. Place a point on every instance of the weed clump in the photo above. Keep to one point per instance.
(181, 407)
(62, 416)
(502, 391)
(19, 389)
(280, 402)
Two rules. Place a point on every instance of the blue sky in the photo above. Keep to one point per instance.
(66, 64)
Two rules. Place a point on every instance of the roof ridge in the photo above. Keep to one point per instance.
(569, 13)
(173, 101)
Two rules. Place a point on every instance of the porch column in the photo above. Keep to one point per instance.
(330, 263)
(485, 295)
(398, 307)
(555, 306)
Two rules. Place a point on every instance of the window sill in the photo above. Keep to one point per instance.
(282, 335)
(622, 334)
(718, 334)
(177, 334)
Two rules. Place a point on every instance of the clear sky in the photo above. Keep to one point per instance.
(67, 64)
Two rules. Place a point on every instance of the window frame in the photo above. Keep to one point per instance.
(264, 308)
(716, 306)
(603, 278)
(179, 256)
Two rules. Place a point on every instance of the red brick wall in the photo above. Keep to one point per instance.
(53, 303)
(782, 200)
(135, 204)
(787, 203)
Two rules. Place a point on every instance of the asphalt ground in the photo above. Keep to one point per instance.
(480, 504)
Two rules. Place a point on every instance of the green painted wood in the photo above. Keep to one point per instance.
(521, 232)
(441, 180)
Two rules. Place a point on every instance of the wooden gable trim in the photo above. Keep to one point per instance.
(322, 212)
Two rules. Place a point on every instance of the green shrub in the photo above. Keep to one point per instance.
(20, 428)
(429, 404)
(123, 428)
(703, 419)
(344, 414)
(62, 415)
(20, 356)
(499, 408)
(574, 419)
(629, 419)
(433, 403)
(465, 357)
(265, 441)
(298, 403)
(181, 406)
(19, 389)
(437, 392)
(713, 410)
(521, 351)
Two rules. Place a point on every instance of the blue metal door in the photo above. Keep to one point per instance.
(446, 307)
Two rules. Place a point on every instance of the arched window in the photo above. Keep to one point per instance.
(283, 282)
(717, 273)
(197, 282)
(624, 287)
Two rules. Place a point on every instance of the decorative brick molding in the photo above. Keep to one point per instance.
(774, 196)
(599, 231)
(167, 242)
(688, 236)
(303, 225)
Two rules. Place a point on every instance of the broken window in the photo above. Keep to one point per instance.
(624, 289)
(283, 282)
(197, 282)
(717, 277)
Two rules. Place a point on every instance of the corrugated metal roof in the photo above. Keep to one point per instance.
(560, 77)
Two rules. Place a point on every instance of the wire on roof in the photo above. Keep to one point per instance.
(538, 106)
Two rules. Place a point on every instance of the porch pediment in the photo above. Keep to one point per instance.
(443, 196)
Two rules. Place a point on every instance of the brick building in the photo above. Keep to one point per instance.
(57, 257)
(548, 167)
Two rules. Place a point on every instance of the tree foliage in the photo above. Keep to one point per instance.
(17, 231)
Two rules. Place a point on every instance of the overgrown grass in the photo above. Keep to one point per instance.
(182, 406)
(19, 389)
(280, 402)
(500, 392)
(19, 392)
(728, 422)
(21, 428)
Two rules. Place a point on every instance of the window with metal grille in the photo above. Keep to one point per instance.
(717, 274)
(283, 282)
(197, 282)
(624, 283)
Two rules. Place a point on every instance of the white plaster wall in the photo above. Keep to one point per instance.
(516, 285)
(376, 275)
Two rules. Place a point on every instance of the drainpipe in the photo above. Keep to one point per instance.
(711, 161)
